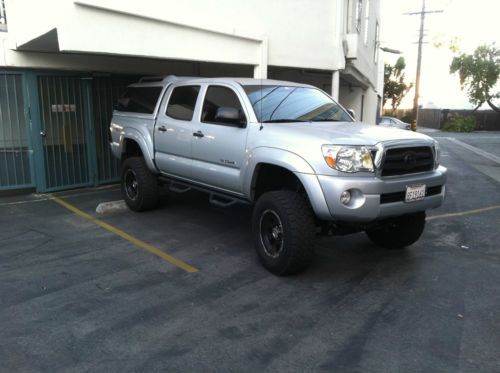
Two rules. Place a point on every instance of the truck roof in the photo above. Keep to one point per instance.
(164, 80)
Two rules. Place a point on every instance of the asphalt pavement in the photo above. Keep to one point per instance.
(80, 291)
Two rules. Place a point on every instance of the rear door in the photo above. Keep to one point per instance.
(219, 148)
(173, 132)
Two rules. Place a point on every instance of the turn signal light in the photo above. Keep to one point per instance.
(330, 161)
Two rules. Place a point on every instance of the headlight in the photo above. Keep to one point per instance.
(437, 154)
(348, 158)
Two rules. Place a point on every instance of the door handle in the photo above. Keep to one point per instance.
(162, 129)
(43, 134)
(198, 134)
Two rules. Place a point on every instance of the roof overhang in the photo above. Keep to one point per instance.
(47, 42)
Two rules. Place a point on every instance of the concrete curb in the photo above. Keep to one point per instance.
(111, 207)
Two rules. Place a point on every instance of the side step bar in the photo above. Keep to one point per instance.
(179, 188)
(221, 201)
(215, 197)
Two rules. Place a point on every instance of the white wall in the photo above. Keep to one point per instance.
(160, 37)
(301, 33)
(364, 102)
(364, 61)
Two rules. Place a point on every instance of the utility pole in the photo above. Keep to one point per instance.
(419, 59)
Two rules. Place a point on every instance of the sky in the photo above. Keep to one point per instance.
(471, 23)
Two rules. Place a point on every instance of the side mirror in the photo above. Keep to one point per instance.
(351, 113)
(230, 115)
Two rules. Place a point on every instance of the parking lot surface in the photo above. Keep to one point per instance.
(79, 294)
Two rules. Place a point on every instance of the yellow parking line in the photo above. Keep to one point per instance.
(470, 212)
(141, 244)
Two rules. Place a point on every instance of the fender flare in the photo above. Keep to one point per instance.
(293, 163)
(137, 136)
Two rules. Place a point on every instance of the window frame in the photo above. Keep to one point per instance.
(195, 104)
(377, 42)
(238, 97)
(3, 15)
(358, 16)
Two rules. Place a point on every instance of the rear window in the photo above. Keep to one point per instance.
(182, 102)
(139, 99)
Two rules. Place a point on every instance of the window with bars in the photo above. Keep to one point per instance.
(367, 21)
(3, 16)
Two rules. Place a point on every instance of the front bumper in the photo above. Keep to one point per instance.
(366, 204)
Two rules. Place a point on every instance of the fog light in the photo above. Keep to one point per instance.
(345, 197)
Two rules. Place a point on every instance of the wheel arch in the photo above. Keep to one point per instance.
(133, 144)
(292, 169)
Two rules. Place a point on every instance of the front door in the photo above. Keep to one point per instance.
(219, 147)
(64, 132)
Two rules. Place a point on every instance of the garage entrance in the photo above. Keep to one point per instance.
(75, 113)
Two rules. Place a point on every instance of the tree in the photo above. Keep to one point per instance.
(479, 73)
(395, 87)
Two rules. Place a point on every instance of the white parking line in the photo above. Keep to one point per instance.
(483, 153)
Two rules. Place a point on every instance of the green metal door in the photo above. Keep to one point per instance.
(16, 170)
(105, 93)
(65, 132)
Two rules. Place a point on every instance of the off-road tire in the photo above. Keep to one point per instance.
(148, 195)
(398, 233)
(298, 228)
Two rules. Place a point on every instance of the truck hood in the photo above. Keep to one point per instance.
(345, 133)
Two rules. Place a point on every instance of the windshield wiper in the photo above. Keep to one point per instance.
(283, 120)
(325, 120)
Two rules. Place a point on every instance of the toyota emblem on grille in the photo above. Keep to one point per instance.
(409, 159)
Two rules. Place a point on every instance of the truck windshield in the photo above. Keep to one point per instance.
(294, 104)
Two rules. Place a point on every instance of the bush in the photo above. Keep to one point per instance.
(460, 123)
(407, 118)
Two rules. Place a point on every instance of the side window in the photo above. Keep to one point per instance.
(139, 100)
(221, 97)
(182, 102)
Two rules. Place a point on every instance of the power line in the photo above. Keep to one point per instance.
(422, 14)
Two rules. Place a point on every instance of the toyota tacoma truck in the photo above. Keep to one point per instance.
(289, 150)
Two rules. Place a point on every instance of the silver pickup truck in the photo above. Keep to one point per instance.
(288, 149)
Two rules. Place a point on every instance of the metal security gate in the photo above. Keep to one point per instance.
(105, 93)
(65, 132)
(15, 148)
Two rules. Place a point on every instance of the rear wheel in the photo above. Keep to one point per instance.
(284, 231)
(398, 233)
(139, 185)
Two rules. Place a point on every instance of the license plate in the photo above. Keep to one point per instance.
(415, 193)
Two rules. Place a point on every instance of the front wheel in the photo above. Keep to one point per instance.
(139, 185)
(399, 232)
(284, 231)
